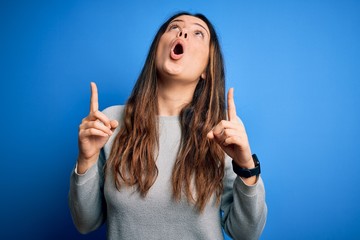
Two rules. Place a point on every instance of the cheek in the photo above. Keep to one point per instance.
(159, 52)
(204, 55)
(163, 46)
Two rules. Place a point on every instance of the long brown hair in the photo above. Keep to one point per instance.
(200, 163)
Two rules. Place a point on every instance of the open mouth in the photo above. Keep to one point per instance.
(178, 49)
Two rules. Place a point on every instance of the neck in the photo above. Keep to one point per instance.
(172, 97)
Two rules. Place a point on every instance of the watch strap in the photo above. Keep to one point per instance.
(245, 172)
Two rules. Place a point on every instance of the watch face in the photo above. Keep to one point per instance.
(247, 173)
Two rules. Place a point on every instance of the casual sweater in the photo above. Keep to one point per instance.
(94, 200)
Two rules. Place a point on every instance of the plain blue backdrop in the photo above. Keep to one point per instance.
(296, 72)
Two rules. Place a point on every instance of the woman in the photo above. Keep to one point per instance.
(160, 167)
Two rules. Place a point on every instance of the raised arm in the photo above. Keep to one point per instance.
(243, 200)
(86, 197)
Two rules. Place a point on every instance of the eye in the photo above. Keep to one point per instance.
(199, 33)
(173, 27)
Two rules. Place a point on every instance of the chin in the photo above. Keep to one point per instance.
(171, 70)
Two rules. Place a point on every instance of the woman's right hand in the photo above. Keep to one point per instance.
(94, 132)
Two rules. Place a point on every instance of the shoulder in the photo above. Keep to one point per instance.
(114, 112)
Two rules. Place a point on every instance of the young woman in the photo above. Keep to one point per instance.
(162, 166)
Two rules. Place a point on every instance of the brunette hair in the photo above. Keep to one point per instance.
(199, 165)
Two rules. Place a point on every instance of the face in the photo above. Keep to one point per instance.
(183, 50)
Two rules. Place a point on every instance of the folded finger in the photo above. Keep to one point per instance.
(92, 132)
(229, 132)
(96, 125)
(114, 124)
(101, 117)
(224, 124)
(236, 140)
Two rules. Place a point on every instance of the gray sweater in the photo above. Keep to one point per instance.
(93, 201)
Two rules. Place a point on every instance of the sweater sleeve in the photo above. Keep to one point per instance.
(86, 197)
(244, 208)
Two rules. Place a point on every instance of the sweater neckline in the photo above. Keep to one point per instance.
(174, 118)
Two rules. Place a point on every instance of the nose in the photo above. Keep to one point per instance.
(180, 34)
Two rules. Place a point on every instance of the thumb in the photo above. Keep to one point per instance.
(114, 124)
(210, 134)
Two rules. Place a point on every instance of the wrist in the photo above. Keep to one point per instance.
(247, 164)
(83, 164)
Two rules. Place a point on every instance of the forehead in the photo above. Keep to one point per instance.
(191, 20)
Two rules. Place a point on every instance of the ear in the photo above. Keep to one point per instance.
(203, 75)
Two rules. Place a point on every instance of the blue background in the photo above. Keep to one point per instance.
(296, 73)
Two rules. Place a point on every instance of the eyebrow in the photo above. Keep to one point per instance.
(198, 24)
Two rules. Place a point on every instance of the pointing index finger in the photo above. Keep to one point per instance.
(94, 102)
(231, 105)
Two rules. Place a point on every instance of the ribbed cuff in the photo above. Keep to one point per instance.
(81, 179)
(245, 189)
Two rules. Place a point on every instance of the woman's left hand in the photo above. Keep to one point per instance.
(231, 136)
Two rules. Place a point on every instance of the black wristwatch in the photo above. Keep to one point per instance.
(245, 172)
